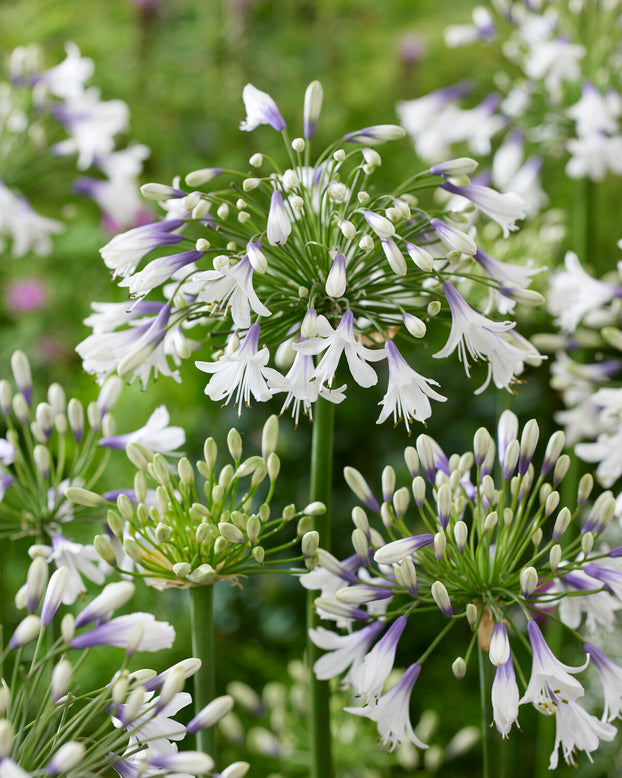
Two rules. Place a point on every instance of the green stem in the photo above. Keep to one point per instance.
(321, 482)
(202, 629)
(484, 707)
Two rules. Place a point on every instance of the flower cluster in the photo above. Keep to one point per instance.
(180, 531)
(491, 554)
(310, 266)
(51, 446)
(564, 101)
(36, 107)
(53, 722)
(587, 313)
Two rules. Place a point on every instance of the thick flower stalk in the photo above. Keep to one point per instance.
(287, 274)
(481, 542)
(54, 721)
(56, 443)
(48, 114)
(586, 310)
(193, 526)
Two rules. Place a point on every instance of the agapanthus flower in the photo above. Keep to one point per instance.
(536, 111)
(53, 113)
(304, 259)
(52, 444)
(134, 716)
(481, 539)
(184, 540)
(587, 311)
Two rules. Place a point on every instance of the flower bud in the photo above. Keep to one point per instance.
(585, 488)
(414, 325)
(68, 627)
(441, 598)
(103, 547)
(211, 714)
(6, 746)
(460, 535)
(22, 375)
(61, 677)
(84, 497)
(231, 533)
(528, 581)
(202, 176)
(458, 667)
(555, 557)
(56, 588)
(482, 442)
(406, 575)
(561, 523)
(336, 280)
(235, 770)
(28, 629)
(499, 651)
(418, 490)
(471, 614)
(587, 542)
(68, 756)
(440, 543)
(359, 486)
(422, 258)
(443, 503)
(36, 581)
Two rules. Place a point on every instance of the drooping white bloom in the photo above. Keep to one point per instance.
(260, 109)
(337, 342)
(378, 663)
(576, 729)
(242, 372)
(481, 338)
(548, 674)
(343, 651)
(408, 393)
(611, 679)
(391, 712)
(504, 697)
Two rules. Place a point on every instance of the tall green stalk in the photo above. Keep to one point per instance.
(483, 689)
(321, 483)
(202, 629)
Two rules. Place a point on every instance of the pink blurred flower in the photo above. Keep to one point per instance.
(25, 295)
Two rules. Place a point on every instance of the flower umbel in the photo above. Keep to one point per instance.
(296, 243)
(488, 552)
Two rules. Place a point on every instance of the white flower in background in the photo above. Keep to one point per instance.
(575, 293)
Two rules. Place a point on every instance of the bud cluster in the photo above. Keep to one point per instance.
(193, 525)
(47, 447)
(484, 540)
